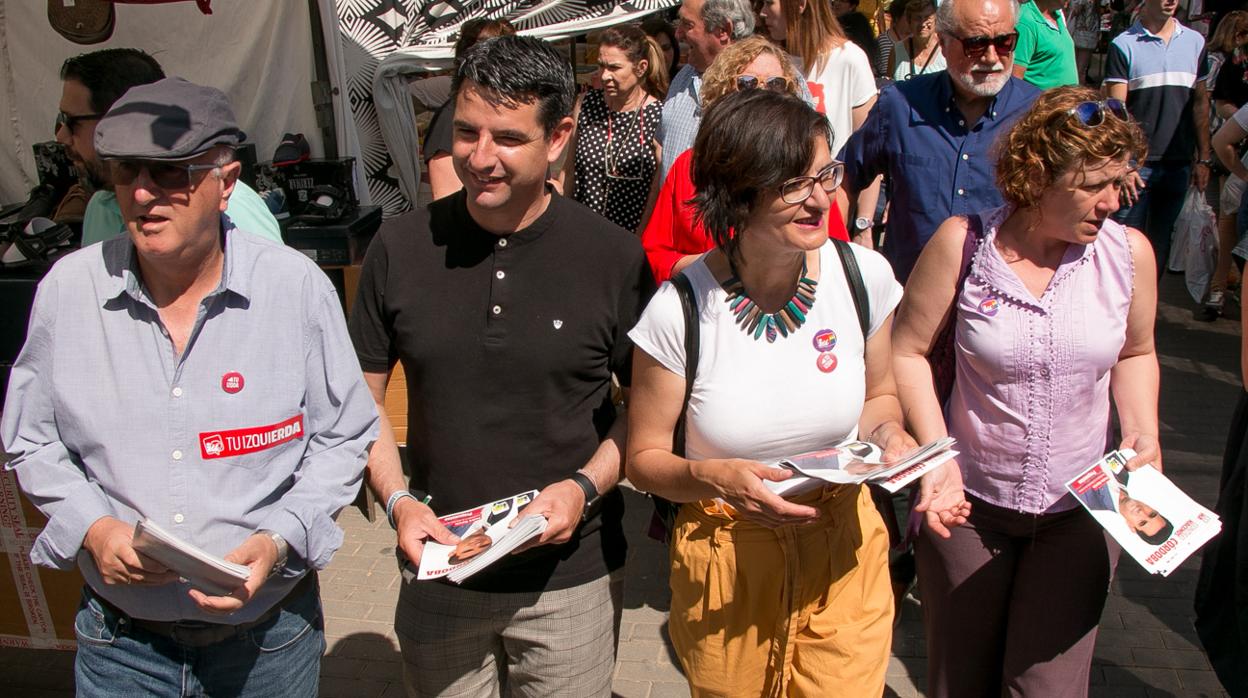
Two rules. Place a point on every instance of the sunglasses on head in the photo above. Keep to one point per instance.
(779, 83)
(170, 176)
(69, 121)
(976, 46)
(798, 189)
(1093, 113)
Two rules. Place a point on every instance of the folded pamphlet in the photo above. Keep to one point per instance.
(855, 462)
(485, 535)
(1153, 520)
(201, 569)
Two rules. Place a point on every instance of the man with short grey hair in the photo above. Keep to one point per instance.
(148, 391)
(933, 134)
(706, 27)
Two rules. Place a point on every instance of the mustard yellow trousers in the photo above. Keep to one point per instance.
(792, 611)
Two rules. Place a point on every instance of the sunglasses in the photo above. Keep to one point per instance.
(1093, 113)
(169, 176)
(778, 83)
(976, 46)
(69, 121)
(798, 189)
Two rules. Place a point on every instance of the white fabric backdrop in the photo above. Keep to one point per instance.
(259, 52)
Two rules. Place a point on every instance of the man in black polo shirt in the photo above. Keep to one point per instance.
(509, 307)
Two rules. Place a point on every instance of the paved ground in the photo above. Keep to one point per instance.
(1146, 645)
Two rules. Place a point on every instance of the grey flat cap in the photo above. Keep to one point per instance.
(170, 119)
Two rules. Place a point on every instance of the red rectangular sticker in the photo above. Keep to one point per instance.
(240, 442)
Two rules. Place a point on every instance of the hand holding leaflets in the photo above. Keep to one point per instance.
(854, 462)
(1151, 518)
(486, 534)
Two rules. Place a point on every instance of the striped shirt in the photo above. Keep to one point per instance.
(1161, 78)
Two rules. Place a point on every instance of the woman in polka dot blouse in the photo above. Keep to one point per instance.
(614, 151)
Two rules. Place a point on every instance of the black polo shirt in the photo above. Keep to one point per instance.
(508, 344)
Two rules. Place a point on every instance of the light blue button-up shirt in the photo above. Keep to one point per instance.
(263, 422)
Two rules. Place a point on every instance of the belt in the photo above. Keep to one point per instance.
(194, 633)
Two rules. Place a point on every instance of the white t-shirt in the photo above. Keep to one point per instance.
(840, 83)
(766, 401)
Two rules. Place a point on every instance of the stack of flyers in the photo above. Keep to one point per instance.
(485, 535)
(854, 462)
(1151, 518)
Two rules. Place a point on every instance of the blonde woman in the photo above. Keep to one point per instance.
(836, 69)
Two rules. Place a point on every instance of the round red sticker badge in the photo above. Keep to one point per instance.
(825, 340)
(990, 305)
(826, 362)
(232, 382)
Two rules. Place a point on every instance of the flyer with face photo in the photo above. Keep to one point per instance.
(1151, 518)
(853, 462)
(481, 530)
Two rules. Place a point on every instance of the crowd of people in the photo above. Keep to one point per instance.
(682, 231)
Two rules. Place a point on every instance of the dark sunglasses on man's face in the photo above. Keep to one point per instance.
(170, 176)
(778, 83)
(976, 46)
(69, 121)
(1093, 113)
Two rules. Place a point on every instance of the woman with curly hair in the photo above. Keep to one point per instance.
(771, 596)
(672, 238)
(1052, 306)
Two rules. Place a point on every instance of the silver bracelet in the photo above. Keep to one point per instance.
(390, 503)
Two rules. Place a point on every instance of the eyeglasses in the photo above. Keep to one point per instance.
(170, 176)
(976, 46)
(1093, 113)
(777, 83)
(798, 189)
(69, 121)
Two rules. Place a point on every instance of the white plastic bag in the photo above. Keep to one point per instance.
(1196, 242)
(1182, 231)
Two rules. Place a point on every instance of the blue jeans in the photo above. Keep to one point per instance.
(279, 657)
(1157, 209)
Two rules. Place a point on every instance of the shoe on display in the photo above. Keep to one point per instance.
(293, 149)
(42, 240)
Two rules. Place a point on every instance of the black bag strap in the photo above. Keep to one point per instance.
(857, 289)
(689, 306)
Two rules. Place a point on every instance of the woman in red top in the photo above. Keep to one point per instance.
(672, 237)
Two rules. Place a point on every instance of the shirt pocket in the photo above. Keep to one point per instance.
(927, 181)
(260, 422)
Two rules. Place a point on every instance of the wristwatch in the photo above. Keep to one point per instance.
(283, 550)
(593, 500)
(861, 225)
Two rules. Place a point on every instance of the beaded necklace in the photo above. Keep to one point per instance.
(785, 321)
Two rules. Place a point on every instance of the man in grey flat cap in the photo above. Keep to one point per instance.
(182, 415)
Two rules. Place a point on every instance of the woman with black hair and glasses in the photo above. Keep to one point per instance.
(771, 595)
(1045, 307)
(672, 237)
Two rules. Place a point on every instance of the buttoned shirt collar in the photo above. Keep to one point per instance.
(126, 279)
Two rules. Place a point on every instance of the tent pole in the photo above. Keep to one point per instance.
(323, 90)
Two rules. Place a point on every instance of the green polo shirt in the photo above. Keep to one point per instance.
(1046, 49)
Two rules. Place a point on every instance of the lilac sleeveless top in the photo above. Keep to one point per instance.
(1030, 405)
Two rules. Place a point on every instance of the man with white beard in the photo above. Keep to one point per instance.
(933, 134)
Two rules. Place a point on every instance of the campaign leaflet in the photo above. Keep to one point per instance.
(854, 462)
(1151, 518)
(480, 529)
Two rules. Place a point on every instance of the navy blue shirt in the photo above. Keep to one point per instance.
(938, 166)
